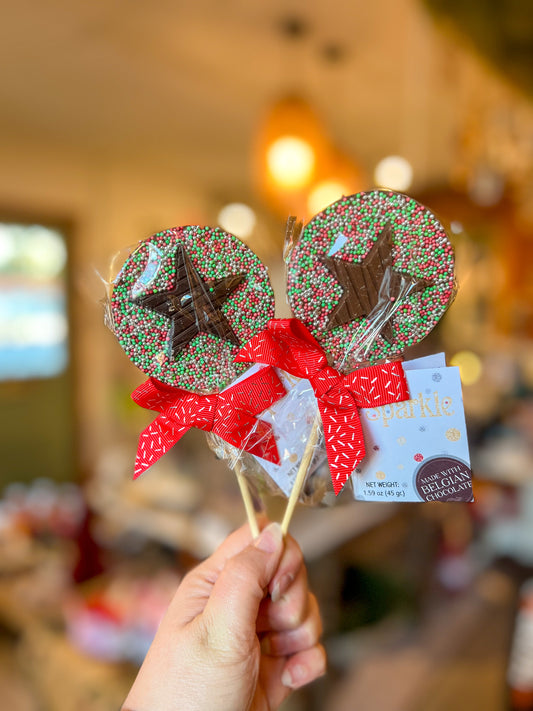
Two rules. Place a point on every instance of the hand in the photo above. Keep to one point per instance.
(241, 632)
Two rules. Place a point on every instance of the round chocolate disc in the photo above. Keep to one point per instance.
(185, 302)
(370, 276)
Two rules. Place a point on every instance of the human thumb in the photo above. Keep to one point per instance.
(237, 593)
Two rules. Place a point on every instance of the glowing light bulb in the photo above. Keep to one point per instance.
(324, 194)
(470, 366)
(237, 218)
(290, 162)
(394, 172)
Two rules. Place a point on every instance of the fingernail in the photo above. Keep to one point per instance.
(281, 586)
(294, 677)
(270, 538)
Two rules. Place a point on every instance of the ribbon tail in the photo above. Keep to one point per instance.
(250, 435)
(238, 406)
(344, 441)
(155, 441)
(261, 442)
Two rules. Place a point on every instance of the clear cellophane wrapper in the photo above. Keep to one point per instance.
(185, 301)
(106, 276)
(291, 418)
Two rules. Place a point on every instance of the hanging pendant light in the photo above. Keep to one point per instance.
(298, 169)
(290, 149)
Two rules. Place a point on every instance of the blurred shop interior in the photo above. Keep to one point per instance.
(120, 119)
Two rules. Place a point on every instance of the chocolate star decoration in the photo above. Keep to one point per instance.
(192, 305)
(361, 283)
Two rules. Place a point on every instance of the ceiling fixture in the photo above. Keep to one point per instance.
(298, 169)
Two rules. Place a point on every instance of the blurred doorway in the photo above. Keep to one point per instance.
(36, 409)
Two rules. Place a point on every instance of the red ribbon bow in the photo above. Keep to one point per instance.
(287, 344)
(229, 414)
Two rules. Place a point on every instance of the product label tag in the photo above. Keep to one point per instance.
(417, 450)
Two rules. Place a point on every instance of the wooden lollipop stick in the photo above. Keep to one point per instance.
(247, 500)
(300, 476)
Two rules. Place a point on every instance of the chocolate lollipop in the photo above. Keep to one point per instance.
(182, 306)
(184, 303)
(370, 276)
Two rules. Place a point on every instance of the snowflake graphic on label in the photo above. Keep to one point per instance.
(453, 434)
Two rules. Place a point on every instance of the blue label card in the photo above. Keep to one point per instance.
(417, 450)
